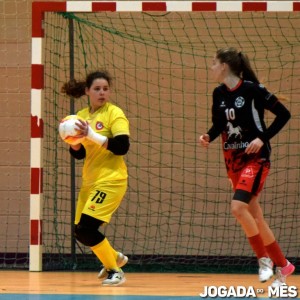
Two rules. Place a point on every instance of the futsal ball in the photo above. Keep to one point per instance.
(67, 130)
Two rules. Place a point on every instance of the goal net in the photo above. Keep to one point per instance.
(176, 213)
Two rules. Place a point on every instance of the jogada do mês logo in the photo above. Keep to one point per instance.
(283, 291)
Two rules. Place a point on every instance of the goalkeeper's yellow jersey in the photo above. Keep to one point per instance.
(102, 165)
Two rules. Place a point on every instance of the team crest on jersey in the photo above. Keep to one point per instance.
(239, 102)
(99, 125)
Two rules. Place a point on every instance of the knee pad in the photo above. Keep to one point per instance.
(86, 232)
(88, 236)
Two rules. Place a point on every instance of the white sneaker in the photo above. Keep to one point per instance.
(114, 278)
(121, 261)
(265, 271)
(282, 273)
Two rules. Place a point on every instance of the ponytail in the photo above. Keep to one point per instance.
(74, 88)
(247, 72)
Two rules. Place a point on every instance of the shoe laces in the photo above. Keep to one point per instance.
(110, 274)
(279, 276)
(264, 264)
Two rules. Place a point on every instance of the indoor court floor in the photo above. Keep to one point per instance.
(25, 285)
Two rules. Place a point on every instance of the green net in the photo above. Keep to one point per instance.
(176, 213)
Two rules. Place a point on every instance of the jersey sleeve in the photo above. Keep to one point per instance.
(119, 124)
(282, 114)
(269, 99)
(216, 127)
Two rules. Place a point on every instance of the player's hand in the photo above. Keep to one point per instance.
(204, 140)
(83, 127)
(254, 146)
(87, 132)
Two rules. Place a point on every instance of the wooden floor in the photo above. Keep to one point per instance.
(162, 284)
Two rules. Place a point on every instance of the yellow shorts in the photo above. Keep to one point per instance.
(101, 200)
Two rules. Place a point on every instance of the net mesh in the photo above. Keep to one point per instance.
(176, 213)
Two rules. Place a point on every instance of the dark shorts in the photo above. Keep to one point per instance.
(250, 180)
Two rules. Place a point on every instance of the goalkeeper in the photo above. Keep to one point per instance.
(104, 175)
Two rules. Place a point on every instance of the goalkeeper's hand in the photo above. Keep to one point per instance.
(87, 132)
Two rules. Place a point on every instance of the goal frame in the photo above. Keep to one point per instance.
(37, 78)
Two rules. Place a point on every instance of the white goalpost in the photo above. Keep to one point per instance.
(39, 12)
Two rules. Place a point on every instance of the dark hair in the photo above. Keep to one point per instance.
(76, 88)
(238, 63)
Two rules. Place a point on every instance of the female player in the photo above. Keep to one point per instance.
(104, 175)
(238, 109)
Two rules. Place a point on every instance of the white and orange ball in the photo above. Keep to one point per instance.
(67, 130)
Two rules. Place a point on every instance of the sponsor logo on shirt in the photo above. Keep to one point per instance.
(92, 207)
(248, 172)
(240, 145)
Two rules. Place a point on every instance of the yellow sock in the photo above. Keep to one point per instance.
(107, 255)
(115, 253)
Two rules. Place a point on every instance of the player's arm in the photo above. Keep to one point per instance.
(87, 132)
(78, 151)
(216, 127)
(118, 145)
(282, 115)
(214, 132)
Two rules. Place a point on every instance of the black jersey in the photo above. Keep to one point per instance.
(238, 115)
